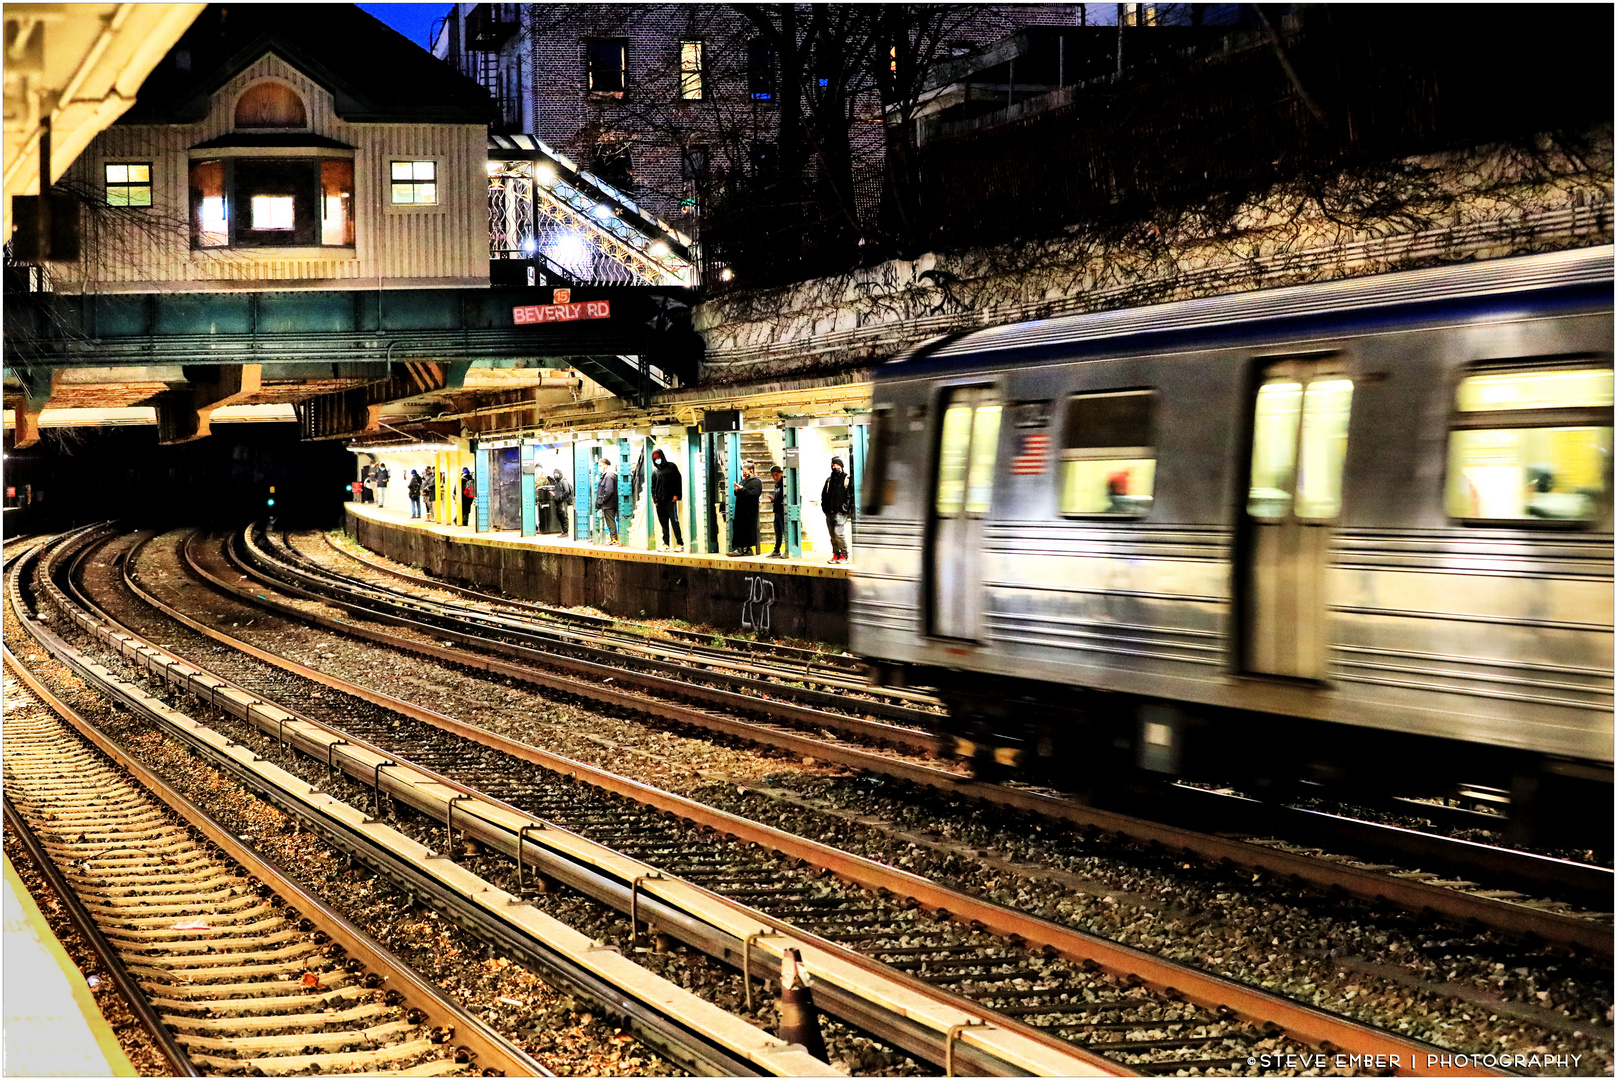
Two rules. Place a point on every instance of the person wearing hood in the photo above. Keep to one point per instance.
(561, 495)
(778, 498)
(606, 499)
(414, 489)
(468, 492)
(665, 490)
(744, 529)
(836, 502)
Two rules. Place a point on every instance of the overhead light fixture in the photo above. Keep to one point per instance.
(545, 174)
(494, 167)
(727, 274)
(659, 250)
(602, 211)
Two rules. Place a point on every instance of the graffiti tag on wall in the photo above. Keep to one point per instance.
(760, 598)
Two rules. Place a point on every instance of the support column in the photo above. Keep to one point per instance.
(583, 492)
(858, 444)
(794, 496)
(530, 508)
(695, 492)
(38, 384)
(480, 476)
(184, 414)
(652, 530)
(625, 490)
(732, 456)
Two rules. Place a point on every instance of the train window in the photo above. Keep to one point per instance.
(984, 447)
(878, 490)
(1531, 445)
(1108, 456)
(1325, 427)
(952, 449)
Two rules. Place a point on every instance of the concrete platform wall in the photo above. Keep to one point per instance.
(701, 591)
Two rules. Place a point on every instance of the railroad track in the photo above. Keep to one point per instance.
(1500, 888)
(1003, 975)
(235, 968)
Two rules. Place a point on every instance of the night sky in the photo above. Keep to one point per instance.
(414, 21)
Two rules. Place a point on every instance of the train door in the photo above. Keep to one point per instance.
(1299, 442)
(963, 488)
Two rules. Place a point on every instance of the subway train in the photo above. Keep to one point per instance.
(1351, 533)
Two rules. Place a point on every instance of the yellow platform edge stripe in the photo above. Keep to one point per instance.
(105, 1040)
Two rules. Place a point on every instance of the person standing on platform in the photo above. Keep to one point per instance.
(413, 489)
(561, 494)
(836, 502)
(749, 489)
(778, 497)
(429, 492)
(468, 493)
(666, 484)
(383, 475)
(606, 500)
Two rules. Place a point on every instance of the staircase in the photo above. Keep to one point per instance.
(755, 451)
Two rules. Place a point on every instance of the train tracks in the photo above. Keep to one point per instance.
(1001, 975)
(233, 967)
(1486, 885)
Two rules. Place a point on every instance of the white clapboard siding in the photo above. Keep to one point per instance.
(150, 250)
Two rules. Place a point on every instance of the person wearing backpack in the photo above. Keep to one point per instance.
(468, 492)
(414, 491)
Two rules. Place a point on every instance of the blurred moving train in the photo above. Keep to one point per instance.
(1353, 532)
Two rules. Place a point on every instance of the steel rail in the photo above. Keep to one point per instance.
(85, 924)
(1302, 1022)
(677, 660)
(906, 1026)
(1548, 926)
(700, 642)
(686, 1034)
(917, 740)
(491, 1050)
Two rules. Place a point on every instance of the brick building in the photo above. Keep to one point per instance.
(664, 100)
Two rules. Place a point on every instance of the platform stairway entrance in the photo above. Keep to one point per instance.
(755, 451)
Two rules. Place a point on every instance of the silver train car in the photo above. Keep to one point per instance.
(1354, 531)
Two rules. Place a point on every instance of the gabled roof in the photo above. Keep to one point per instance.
(375, 74)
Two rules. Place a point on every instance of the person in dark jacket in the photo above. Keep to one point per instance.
(414, 489)
(468, 492)
(836, 502)
(382, 474)
(606, 499)
(665, 491)
(782, 550)
(561, 494)
(429, 493)
(744, 530)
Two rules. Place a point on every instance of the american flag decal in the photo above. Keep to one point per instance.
(1029, 460)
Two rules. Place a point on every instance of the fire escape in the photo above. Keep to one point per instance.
(488, 28)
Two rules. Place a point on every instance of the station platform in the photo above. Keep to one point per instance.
(52, 1024)
(796, 598)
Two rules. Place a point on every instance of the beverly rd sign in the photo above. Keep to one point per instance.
(543, 313)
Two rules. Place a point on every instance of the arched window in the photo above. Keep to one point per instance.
(271, 105)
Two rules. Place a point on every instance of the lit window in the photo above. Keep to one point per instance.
(967, 448)
(1303, 472)
(606, 65)
(129, 185)
(1108, 455)
(337, 203)
(274, 212)
(415, 183)
(690, 71)
(1531, 445)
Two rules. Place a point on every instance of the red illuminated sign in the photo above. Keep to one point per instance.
(543, 313)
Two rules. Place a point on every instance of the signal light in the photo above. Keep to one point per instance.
(270, 501)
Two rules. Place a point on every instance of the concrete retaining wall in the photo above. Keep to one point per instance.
(771, 602)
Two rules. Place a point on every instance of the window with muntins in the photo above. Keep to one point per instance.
(606, 65)
(1531, 444)
(414, 183)
(129, 184)
(272, 202)
(1108, 454)
(691, 87)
